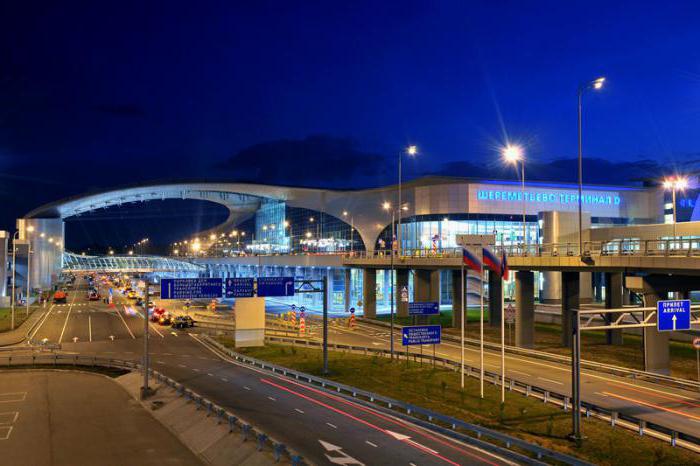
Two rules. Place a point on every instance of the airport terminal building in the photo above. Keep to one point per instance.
(272, 229)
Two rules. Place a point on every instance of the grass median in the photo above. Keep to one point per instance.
(6, 317)
(439, 390)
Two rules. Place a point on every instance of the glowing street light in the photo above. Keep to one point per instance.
(386, 206)
(678, 183)
(513, 153)
(411, 151)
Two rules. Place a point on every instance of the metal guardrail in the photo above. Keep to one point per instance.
(615, 418)
(432, 417)
(634, 374)
(247, 430)
(678, 247)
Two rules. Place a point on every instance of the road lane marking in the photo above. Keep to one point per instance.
(12, 397)
(550, 380)
(9, 417)
(694, 405)
(223, 379)
(247, 388)
(5, 432)
(371, 444)
(331, 425)
(195, 369)
(90, 327)
(127, 327)
(210, 374)
(42, 321)
(519, 372)
(652, 405)
(298, 410)
(271, 398)
(64, 326)
(182, 365)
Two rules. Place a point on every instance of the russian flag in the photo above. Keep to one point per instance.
(492, 262)
(470, 260)
(504, 266)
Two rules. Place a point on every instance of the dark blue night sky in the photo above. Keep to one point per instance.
(96, 94)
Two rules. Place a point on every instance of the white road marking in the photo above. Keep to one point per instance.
(271, 398)
(298, 410)
(551, 381)
(195, 369)
(370, 444)
(331, 425)
(182, 365)
(223, 379)
(127, 327)
(42, 321)
(247, 388)
(210, 374)
(518, 372)
(5, 432)
(12, 397)
(600, 394)
(90, 327)
(64, 326)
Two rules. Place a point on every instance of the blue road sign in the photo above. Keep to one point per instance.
(421, 335)
(239, 288)
(276, 286)
(191, 288)
(673, 315)
(423, 309)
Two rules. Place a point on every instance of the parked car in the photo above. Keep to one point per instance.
(182, 322)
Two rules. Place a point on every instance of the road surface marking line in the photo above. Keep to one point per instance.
(519, 372)
(60, 338)
(8, 431)
(11, 417)
(127, 327)
(42, 321)
(12, 397)
(155, 329)
(247, 388)
(224, 379)
(298, 410)
(641, 390)
(271, 398)
(331, 425)
(210, 374)
(90, 327)
(652, 405)
(195, 369)
(371, 444)
(550, 380)
(182, 365)
(600, 394)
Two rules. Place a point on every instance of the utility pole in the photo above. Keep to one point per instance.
(325, 325)
(145, 391)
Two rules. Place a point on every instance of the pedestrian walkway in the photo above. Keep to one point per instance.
(19, 334)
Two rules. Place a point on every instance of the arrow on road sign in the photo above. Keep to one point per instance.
(344, 459)
(674, 322)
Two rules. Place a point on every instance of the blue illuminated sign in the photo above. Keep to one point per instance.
(239, 288)
(191, 288)
(421, 335)
(423, 308)
(673, 315)
(547, 197)
(275, 286)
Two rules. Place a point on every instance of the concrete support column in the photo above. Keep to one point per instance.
(525, 309)
(657, 356)
(4, 236)
(421, 285)
(495, 286)
(401, 283)
(570, 289)
(347, 279)
(614, 290)
(457, 297)
(369, 292)
(435, 286)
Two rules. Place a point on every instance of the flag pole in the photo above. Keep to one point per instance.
(503, 342)
(481, 329)
(462, 319)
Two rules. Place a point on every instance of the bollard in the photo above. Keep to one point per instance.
(231, 423)
(261, 441)
(245, 429)
(613, 418)
(674, 437)
(297, 461)
(642, 425)
(277, 451)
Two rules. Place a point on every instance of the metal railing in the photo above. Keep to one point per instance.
(614, 418)
(677, 247)
(247, 430)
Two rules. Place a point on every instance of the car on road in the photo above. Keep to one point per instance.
(182, 322)
(156, 314)
(60, 297)
(93, 295)
(132, 295)
(165, 319)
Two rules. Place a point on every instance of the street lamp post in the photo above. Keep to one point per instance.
(514, 154)
(410, 150)
(14, 267)
(387, 207)
(352, 229)
(595, 84)
(675, 184)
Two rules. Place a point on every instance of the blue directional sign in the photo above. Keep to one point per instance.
(275, 286)
(423, 309)
(191, 288)
(421, 335)
(673, 315)
(239, 288)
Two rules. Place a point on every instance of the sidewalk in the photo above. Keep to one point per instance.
(19, 334)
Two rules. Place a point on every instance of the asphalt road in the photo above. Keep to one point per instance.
(322, 427)
(57, 418)
(670, 407)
